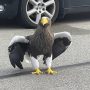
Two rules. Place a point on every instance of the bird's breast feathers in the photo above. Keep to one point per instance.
(42, 43)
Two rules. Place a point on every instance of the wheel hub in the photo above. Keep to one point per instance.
(41, 7)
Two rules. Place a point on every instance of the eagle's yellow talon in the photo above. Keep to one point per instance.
(37, 71)
(50, 71)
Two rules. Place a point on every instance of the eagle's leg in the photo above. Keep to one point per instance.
(49, 63)
(35, 64)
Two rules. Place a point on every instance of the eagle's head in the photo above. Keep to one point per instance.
(45, 22)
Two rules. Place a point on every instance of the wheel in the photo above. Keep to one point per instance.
(32, 10)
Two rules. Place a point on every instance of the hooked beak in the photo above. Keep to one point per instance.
(44, 21)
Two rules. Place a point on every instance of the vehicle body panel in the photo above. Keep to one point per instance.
(76, 6)
(66, 7)
(11, 8)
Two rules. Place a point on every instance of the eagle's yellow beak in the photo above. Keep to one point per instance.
(44, 20)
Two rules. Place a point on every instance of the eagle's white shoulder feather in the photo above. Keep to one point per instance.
(62, 34)
(21, 39)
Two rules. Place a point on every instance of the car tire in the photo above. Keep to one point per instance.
(51, 11)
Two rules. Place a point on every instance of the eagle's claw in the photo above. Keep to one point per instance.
(50, 71)
(37, 71)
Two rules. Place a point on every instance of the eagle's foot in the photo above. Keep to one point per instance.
(50, 71)
(37, 71)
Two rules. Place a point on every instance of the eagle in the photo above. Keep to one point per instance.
(42, 42)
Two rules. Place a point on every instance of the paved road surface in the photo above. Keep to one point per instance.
(73, 66)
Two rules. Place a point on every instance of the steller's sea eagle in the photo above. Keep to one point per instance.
(42, 42)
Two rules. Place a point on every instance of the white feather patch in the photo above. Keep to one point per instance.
(34, 62)
(63, 34)
(21, 39)
(49, 61)
(27, 58)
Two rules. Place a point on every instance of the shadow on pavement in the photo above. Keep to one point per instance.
(4, 23)
(25, 72)
(80, 17)
(73, 65)
(15, 74)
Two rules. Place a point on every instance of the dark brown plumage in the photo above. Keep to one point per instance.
(42, 42)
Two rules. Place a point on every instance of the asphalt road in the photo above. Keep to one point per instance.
(73, 66)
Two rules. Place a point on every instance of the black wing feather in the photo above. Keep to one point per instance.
(16, 55)
(59, 46)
